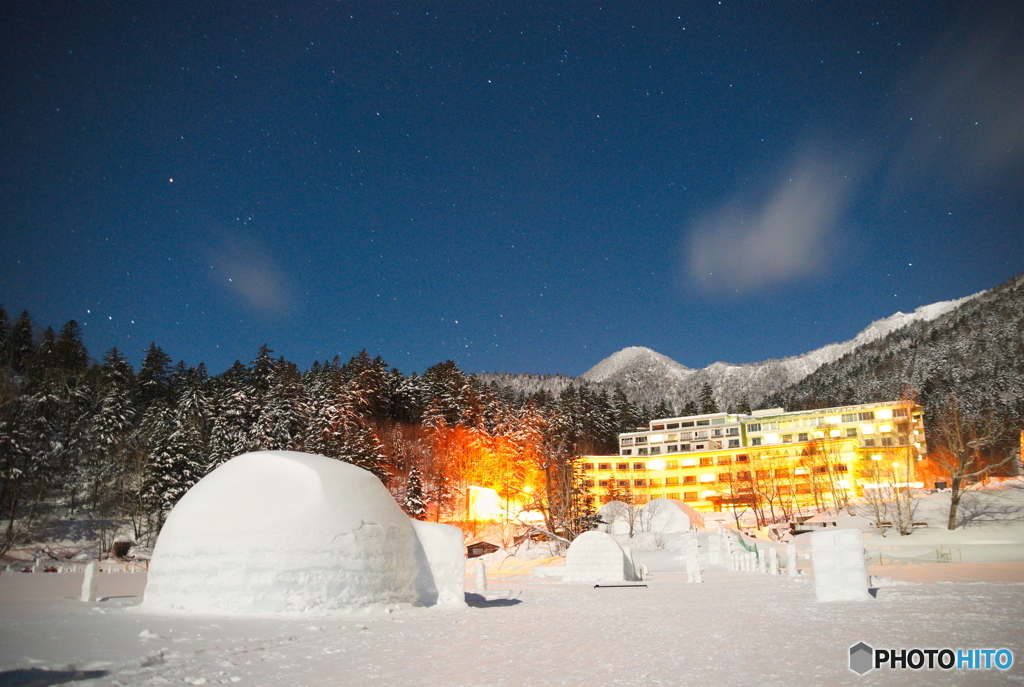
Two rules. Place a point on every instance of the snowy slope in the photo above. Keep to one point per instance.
(635, 363)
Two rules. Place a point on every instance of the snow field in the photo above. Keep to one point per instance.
(734, 629)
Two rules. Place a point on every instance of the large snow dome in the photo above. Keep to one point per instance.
(281, 531)
(670, 515)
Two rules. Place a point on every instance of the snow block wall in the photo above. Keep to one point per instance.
(840, 571)
(281, 531)
(596, 557)
(442, 580)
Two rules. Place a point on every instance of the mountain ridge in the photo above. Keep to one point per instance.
(648, 377)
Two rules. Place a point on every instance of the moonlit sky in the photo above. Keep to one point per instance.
(515, 186)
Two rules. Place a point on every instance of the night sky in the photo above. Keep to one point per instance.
(516, 186)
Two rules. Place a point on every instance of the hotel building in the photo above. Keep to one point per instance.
(718, 460)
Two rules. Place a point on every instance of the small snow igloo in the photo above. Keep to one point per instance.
(596, 557)
(281, 531)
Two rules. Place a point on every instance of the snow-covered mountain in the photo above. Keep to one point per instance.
(648, 377)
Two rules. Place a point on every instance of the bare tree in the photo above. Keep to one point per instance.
(968, 448)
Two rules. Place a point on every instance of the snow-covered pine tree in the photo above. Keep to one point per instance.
(413, 504)
(707, 399)
(233, 405)
(282, 416)
(109, 428)
(154, 377)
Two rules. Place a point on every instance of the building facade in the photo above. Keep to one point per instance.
(770, 459)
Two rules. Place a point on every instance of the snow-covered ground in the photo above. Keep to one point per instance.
(734, 629)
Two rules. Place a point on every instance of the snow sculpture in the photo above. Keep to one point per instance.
(791, 560)
(840, 572)
(281, 531)
(773, 561)
(596, 557)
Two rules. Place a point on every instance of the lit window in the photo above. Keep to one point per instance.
(707, 478)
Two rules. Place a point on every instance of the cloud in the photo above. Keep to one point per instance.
(243, 267)
(962, 108)
(742, 246)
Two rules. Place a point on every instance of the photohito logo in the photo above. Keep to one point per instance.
(864, 658)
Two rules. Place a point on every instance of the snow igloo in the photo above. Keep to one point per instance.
(596, 557)
(282, 531)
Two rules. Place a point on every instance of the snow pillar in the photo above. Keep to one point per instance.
(90, 582)
(693, 569)
(840, 572)
(481, 576)
(773, 561)
(761, 556)
(444, 572)
(714, 547)
(791, 560)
